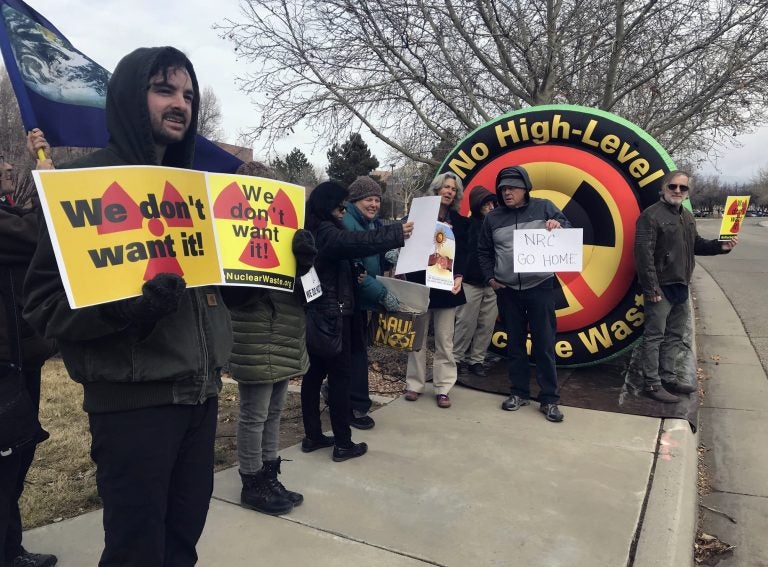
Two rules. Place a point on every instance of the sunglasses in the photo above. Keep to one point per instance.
(675, 187)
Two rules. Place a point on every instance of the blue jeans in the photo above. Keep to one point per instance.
(533, 307)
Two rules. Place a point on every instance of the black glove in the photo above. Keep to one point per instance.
(304, 249)
(159, 297)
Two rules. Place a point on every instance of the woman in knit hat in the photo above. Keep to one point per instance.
(364, 202)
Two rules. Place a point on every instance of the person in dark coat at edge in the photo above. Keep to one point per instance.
(363, 214)
(475, 319)
(149, 365)
(21, 351)
(526, 300)
(269, 336)
(336, 247)
(442, 303)
(666, 243)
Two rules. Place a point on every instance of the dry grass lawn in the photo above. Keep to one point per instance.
(61, 482)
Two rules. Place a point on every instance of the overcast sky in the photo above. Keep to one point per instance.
(105, 30)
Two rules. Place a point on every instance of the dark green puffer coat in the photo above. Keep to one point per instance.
(270, 341)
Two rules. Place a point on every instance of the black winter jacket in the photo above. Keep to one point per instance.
(473, 274)
(336, 246)
(121, 365)
(18, 240)
(666, 241)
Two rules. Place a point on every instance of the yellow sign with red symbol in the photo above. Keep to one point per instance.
(114, 228)
(255, 220)
(733, 215)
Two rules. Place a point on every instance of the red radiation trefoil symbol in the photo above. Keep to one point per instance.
(134, 219)
(259, 251)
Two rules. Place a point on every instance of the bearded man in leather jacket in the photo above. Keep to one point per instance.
(666, 241)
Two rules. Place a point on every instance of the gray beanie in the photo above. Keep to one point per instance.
(362, 187)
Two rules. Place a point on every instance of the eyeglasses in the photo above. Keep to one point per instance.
(675, 187)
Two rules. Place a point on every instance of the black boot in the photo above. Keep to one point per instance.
(658, 393)
(271, 470)
(257, 495)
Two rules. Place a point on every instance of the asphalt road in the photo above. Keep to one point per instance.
(743, 277)
(734, 416)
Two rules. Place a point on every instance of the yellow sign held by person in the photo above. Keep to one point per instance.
(114, 228)
(733, 216)
(255, 220)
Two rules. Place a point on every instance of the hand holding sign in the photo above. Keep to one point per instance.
(159, 297)
(304, 249)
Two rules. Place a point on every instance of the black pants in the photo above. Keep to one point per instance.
(535, 308)
(13, 471)
(154, 472)
(359, 391)
(338, 369)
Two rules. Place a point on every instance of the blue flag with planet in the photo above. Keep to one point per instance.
(63, 92)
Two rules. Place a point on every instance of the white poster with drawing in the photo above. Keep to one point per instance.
(440, 263)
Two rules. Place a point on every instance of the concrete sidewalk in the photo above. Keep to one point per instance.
(468, 486)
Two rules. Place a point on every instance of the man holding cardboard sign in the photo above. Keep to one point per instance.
(525, 299)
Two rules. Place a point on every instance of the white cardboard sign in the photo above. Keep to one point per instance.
(541, 250)
(414, 256)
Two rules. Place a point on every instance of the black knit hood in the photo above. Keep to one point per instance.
(478, 196)
(323, 199)
(130, 133)
(513, 171)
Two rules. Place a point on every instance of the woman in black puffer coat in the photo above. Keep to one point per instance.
(336, 247)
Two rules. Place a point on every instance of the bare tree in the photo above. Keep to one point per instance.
(760, 190)
(209, 118)
(13, 148)
(403, 185)
(12, 137)
(414, 72)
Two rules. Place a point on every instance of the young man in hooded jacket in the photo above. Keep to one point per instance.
(149, 365)
(525, 299)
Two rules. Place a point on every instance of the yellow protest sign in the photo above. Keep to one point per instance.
(255, 220)
(733, 215)
(114, 228)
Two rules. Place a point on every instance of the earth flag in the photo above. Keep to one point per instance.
(63, 92)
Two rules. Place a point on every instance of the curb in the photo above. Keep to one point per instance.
(669, 528)
(670, 517)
